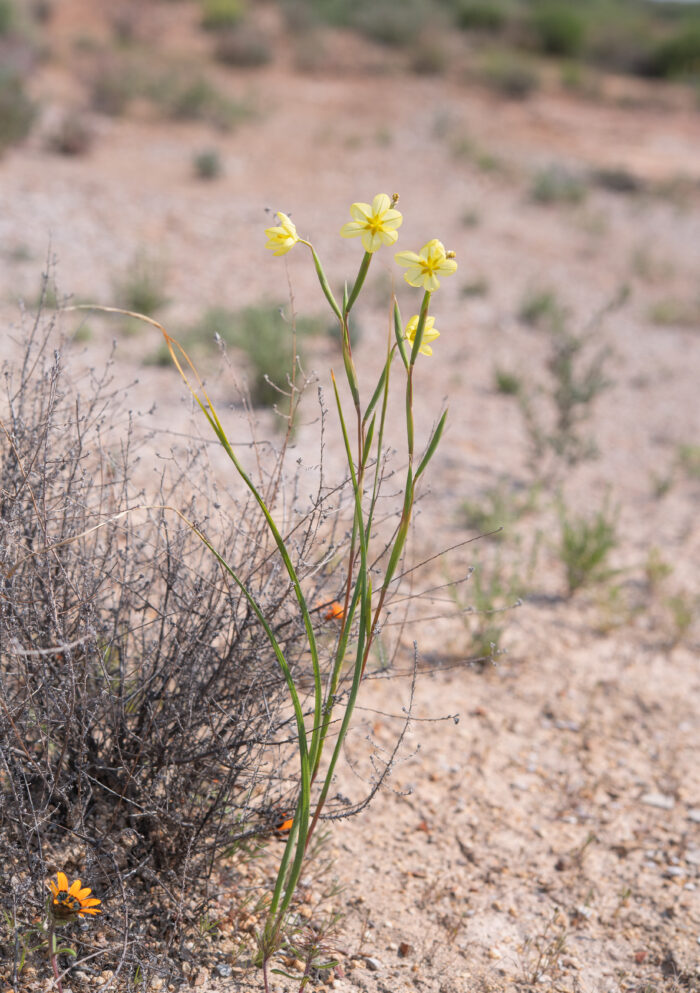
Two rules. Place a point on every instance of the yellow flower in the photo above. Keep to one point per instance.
(429, 333)
(283, 237)
(71, 901)
(424, 268)
(375, 223)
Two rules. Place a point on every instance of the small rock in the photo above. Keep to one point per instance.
(202, 976)
(223, 969)
(674, 871)
(693, 856)
(494, 953)
(157, 984)
(694, 815)
(374, 965)
(660, 800)
(405, 949)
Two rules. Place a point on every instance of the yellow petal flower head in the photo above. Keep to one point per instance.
(283, 237)
(429, 333)
(375, 223)
(71, 900)
(425, 267)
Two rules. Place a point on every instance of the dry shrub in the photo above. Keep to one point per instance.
(142, 712)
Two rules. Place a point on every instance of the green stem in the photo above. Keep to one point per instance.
(52, 953)
(327, 292)
(362, 272)
(418, 340)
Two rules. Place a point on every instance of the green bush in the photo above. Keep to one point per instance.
(141, 288)
(16, 110)
(207, 164)
(678, 55)
(260, 332)
(584, 546)
(557, 184)
(480, 15)
(558, 29)
(222, 13)
(73, 135)
(246, 46)
(542, 309)
(511, 76)
(429, 57)
(111, 89)
(195, 99)
(7, 16)
(507, 382)
(384, 22)
(624, 42)
(617, 180)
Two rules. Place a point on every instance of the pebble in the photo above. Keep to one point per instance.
(223, 969)
(660, 800)
(694, 815)
(202, 976)
(374, 965)
(405, 949)
(673, 871)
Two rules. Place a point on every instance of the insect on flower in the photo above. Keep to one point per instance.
(71, 900)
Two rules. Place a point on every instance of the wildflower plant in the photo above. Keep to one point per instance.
(66, 903)
(362, 432)
(336, 666)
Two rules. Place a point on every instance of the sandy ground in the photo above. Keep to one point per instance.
(550, 838)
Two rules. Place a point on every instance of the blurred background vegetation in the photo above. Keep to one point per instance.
(502, 41)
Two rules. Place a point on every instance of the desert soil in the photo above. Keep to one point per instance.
(551, 837)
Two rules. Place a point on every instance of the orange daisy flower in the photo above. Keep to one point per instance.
(71, 900)
(335, 612)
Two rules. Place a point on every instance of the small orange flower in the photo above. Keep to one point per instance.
(335, 612)
(284, 825)
(71, 900)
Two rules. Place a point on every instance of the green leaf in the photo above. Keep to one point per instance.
(432, 446)
(399, 334)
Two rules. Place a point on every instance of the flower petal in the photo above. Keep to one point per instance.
(371, 241)
(62, 881)
(414, 276)
(381, 203)
(388, 237)
(392, 219)
(447, 267)
(360, 212)
(432, 248)
(75, 888)
(352, 229)
(285, 222)
(407, 259)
